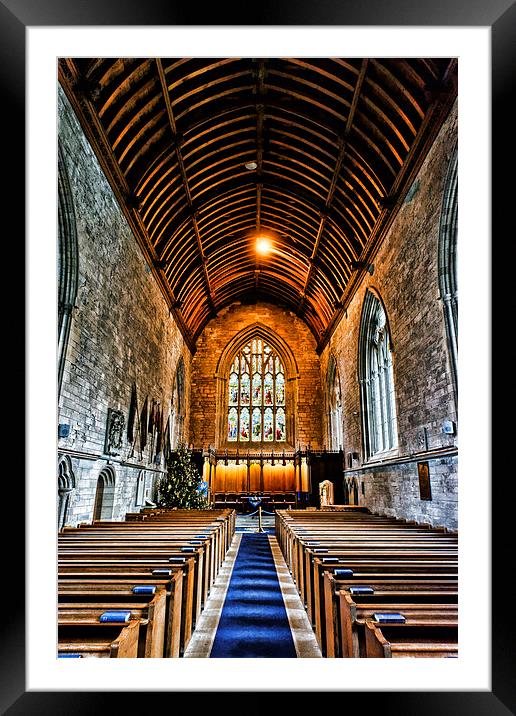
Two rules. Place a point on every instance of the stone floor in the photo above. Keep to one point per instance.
(302, 633)
(245, 523)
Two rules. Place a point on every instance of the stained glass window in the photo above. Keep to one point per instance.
(232, 424)
(244, 424)
(256, 395)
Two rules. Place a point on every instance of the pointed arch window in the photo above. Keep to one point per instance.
(376, 380)
(178, 406)
(448, 264)
(256, 395)
(334, 407)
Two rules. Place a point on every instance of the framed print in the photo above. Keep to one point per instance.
(25, 27)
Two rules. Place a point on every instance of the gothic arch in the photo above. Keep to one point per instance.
(140, 489)
(65, 485)
(105, 495)
(333, 396)
(376, 378)
(178, 409)
(447, 263)
(351, 491)
(283, 350)
(68, 262)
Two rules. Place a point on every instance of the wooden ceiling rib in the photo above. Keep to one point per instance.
(336, 143)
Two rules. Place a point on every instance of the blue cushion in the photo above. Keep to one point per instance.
(361, 590)
(144, 589)
(188, 549)
(177, 559)
(202, 536)
(115, 616)
(164, 572)
(392, 618)
(320, 551)
(69, 656)
(195, 541)
(343, 572)
(329, 559)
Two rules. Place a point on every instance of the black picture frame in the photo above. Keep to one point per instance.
(500, 16)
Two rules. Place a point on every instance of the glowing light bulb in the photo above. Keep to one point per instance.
(263, 245)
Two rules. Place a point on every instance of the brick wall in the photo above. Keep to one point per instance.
(121, 332)
(210, 345)
(406, 277)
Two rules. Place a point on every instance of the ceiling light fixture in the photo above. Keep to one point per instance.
(263, 245)
(251, 165)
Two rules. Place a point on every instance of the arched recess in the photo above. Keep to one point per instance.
(65, 485)
(376, 379)
(283, 351)
(68, 262)
(140, 489)
(351, 491)
(447, 262)
(333, 406)
(105, 495)
(178, 411)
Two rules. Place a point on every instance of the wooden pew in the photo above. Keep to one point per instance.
(226, 519)
(139, 572)
(373, 548)
(337, 610)
(110, 557)
(414, 567)
(210, 537)
(414, 639)
(151, 609)
(134, 547)
(99, 563)
(346, 636)
(106, 586)
(98, 640)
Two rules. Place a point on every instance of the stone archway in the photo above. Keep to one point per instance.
(105, 495)
(283, 350)
(68, 262)
(65, 486)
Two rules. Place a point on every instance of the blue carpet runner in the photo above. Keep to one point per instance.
(254, 622)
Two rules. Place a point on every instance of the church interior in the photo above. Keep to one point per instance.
(257, 451)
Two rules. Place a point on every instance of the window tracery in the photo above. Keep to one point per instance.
(377, 380)
(256, 395)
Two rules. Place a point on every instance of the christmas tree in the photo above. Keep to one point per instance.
(182, 486)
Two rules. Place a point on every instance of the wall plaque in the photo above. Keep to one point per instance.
(114, 432)
(423, 472)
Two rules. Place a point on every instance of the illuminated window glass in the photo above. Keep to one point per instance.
(376, 380)
(256, 395)
(232, 424)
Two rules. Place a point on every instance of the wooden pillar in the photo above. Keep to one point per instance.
(206, 475)
(305, 475)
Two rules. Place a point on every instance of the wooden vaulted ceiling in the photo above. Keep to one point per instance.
(336, 143)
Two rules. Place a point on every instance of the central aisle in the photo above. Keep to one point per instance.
(253, 610)
(254, 621)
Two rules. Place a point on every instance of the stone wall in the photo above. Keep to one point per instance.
(406, 277)
(121, 333)
(212, 342)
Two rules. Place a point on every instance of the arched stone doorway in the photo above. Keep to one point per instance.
(105, 495)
